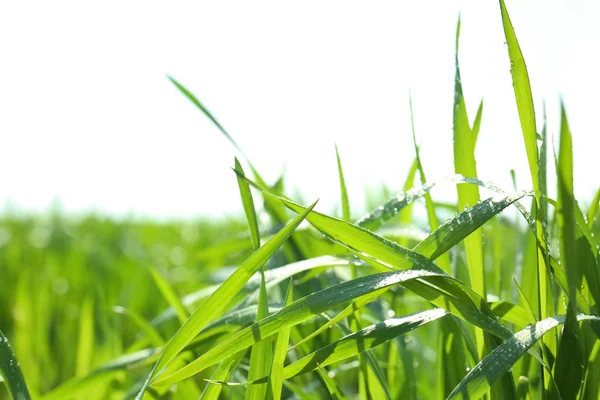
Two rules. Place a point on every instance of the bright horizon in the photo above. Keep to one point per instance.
(89, 117)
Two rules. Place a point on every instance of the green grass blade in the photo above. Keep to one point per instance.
(477, 123)
(261, 357)
(363, 340)
(212, 392)
(249, 294)
(464, 164)
(487, 371)
(593, 210)
(169, 295)
(386, 255)
(525, 108)
(205, 111)
(455, 230)
(343, 190)
(568, 366)
(405, 214)
(142, 324)
(390, 209)
(281, 350)
(214, 305)
(299, 311)
(444, 261)
(249, 209)
(346, 312)
(11, 371)
(332, 387)
(523, 96)
(85, 345)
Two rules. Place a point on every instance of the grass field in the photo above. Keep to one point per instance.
(493, 296)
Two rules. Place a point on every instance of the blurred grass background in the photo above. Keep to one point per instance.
(62, 276)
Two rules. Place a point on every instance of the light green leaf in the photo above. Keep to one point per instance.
(214, 305)
(487, 371)
(11, 371)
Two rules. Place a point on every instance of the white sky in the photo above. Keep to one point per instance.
(87, 115)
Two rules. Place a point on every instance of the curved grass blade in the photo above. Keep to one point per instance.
(569, 359)
(249, 294)
(249, 209)
(201, 107)
(169, 295)
(444, 262)
(477, 122)
(297, 247)
(11, 371)
(390, 209)
(356, 305)
(468, 195)
(142, 324)
(375, 219)
(212, 392)
(383, 254)
(463, 224)
(487, 371)
(296, 313)
(522, 88)
(361, 341)
(332, 387)
(358, 342)
(261, 355)
(281, 350)
(343, 190)
(525, 107)
(214, 305)
(593, 210)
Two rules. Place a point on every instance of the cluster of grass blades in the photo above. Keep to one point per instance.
(382, 307)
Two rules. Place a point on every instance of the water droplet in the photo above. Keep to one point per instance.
(468, 369)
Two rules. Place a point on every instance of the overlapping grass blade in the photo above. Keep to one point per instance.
(212, 392)
(487, 371)
(523, 96)
(343, 189)
(385, 255)
(568, 367)
(363, 340)
(464, 164)
(463, 224)
(142, 324)
(249, 209)
(214, 305)
(593, 210)
(281, 350)
(525, 108)
(249, 294)
(169, 295)
(331, 385)
(261, 355)
(11, 371)
(477, 123)
(299, 311)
